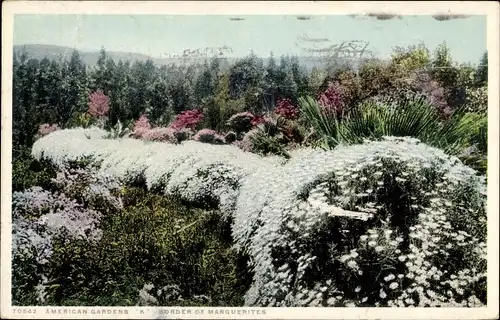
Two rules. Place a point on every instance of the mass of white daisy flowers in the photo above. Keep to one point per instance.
(390, 223)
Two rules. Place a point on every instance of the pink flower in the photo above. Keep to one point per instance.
(286, 109)
(141, 126)
(98, 104)
(160, 134)
(209, 136)
(46, 128)
(187, 119)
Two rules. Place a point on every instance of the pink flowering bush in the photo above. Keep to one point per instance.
(160, 135)
(209, 136)
(332, 100)
(141, 126)
(286, 109)
(98, 104)
(187, 119)
(46, 128)
(431, 91)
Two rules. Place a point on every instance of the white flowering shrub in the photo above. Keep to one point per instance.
(386, 223)
(194, 171)
(364, 225)
(60, 147)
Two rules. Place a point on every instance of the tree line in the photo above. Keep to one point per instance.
(57, 90)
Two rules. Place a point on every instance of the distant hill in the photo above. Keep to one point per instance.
(40, 51)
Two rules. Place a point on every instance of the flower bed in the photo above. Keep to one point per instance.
(388, 223)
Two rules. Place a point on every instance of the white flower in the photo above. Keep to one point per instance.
(389, 277)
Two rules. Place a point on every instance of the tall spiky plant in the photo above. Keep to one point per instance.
(409, 117)
(324, 124)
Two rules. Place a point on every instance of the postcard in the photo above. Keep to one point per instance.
(253, 160)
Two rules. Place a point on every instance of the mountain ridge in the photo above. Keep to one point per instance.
(40, 51)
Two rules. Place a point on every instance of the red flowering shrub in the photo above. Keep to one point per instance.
(187, 119)
(286, 109)
(98, 104)
(332, 100)
(46, 128)
(258, 119)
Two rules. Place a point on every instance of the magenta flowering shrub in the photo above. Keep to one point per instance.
(209, 136)
(286, 109)
(46, 128)
(160, 134)
(187, 119)
(258, 119)
(98, 104)
(332, 100)
(241, 122)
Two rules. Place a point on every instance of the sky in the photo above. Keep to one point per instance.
(160, 35)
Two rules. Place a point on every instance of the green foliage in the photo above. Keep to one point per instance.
(265, 143)
(477, 153)
(482, 71)
(411, 58)
(413, 118)
(28, 172)
(325, 125)
(119, 130)
(154, 239)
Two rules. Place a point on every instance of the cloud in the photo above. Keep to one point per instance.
(384, 16)
(445, 17)
(378, 16)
